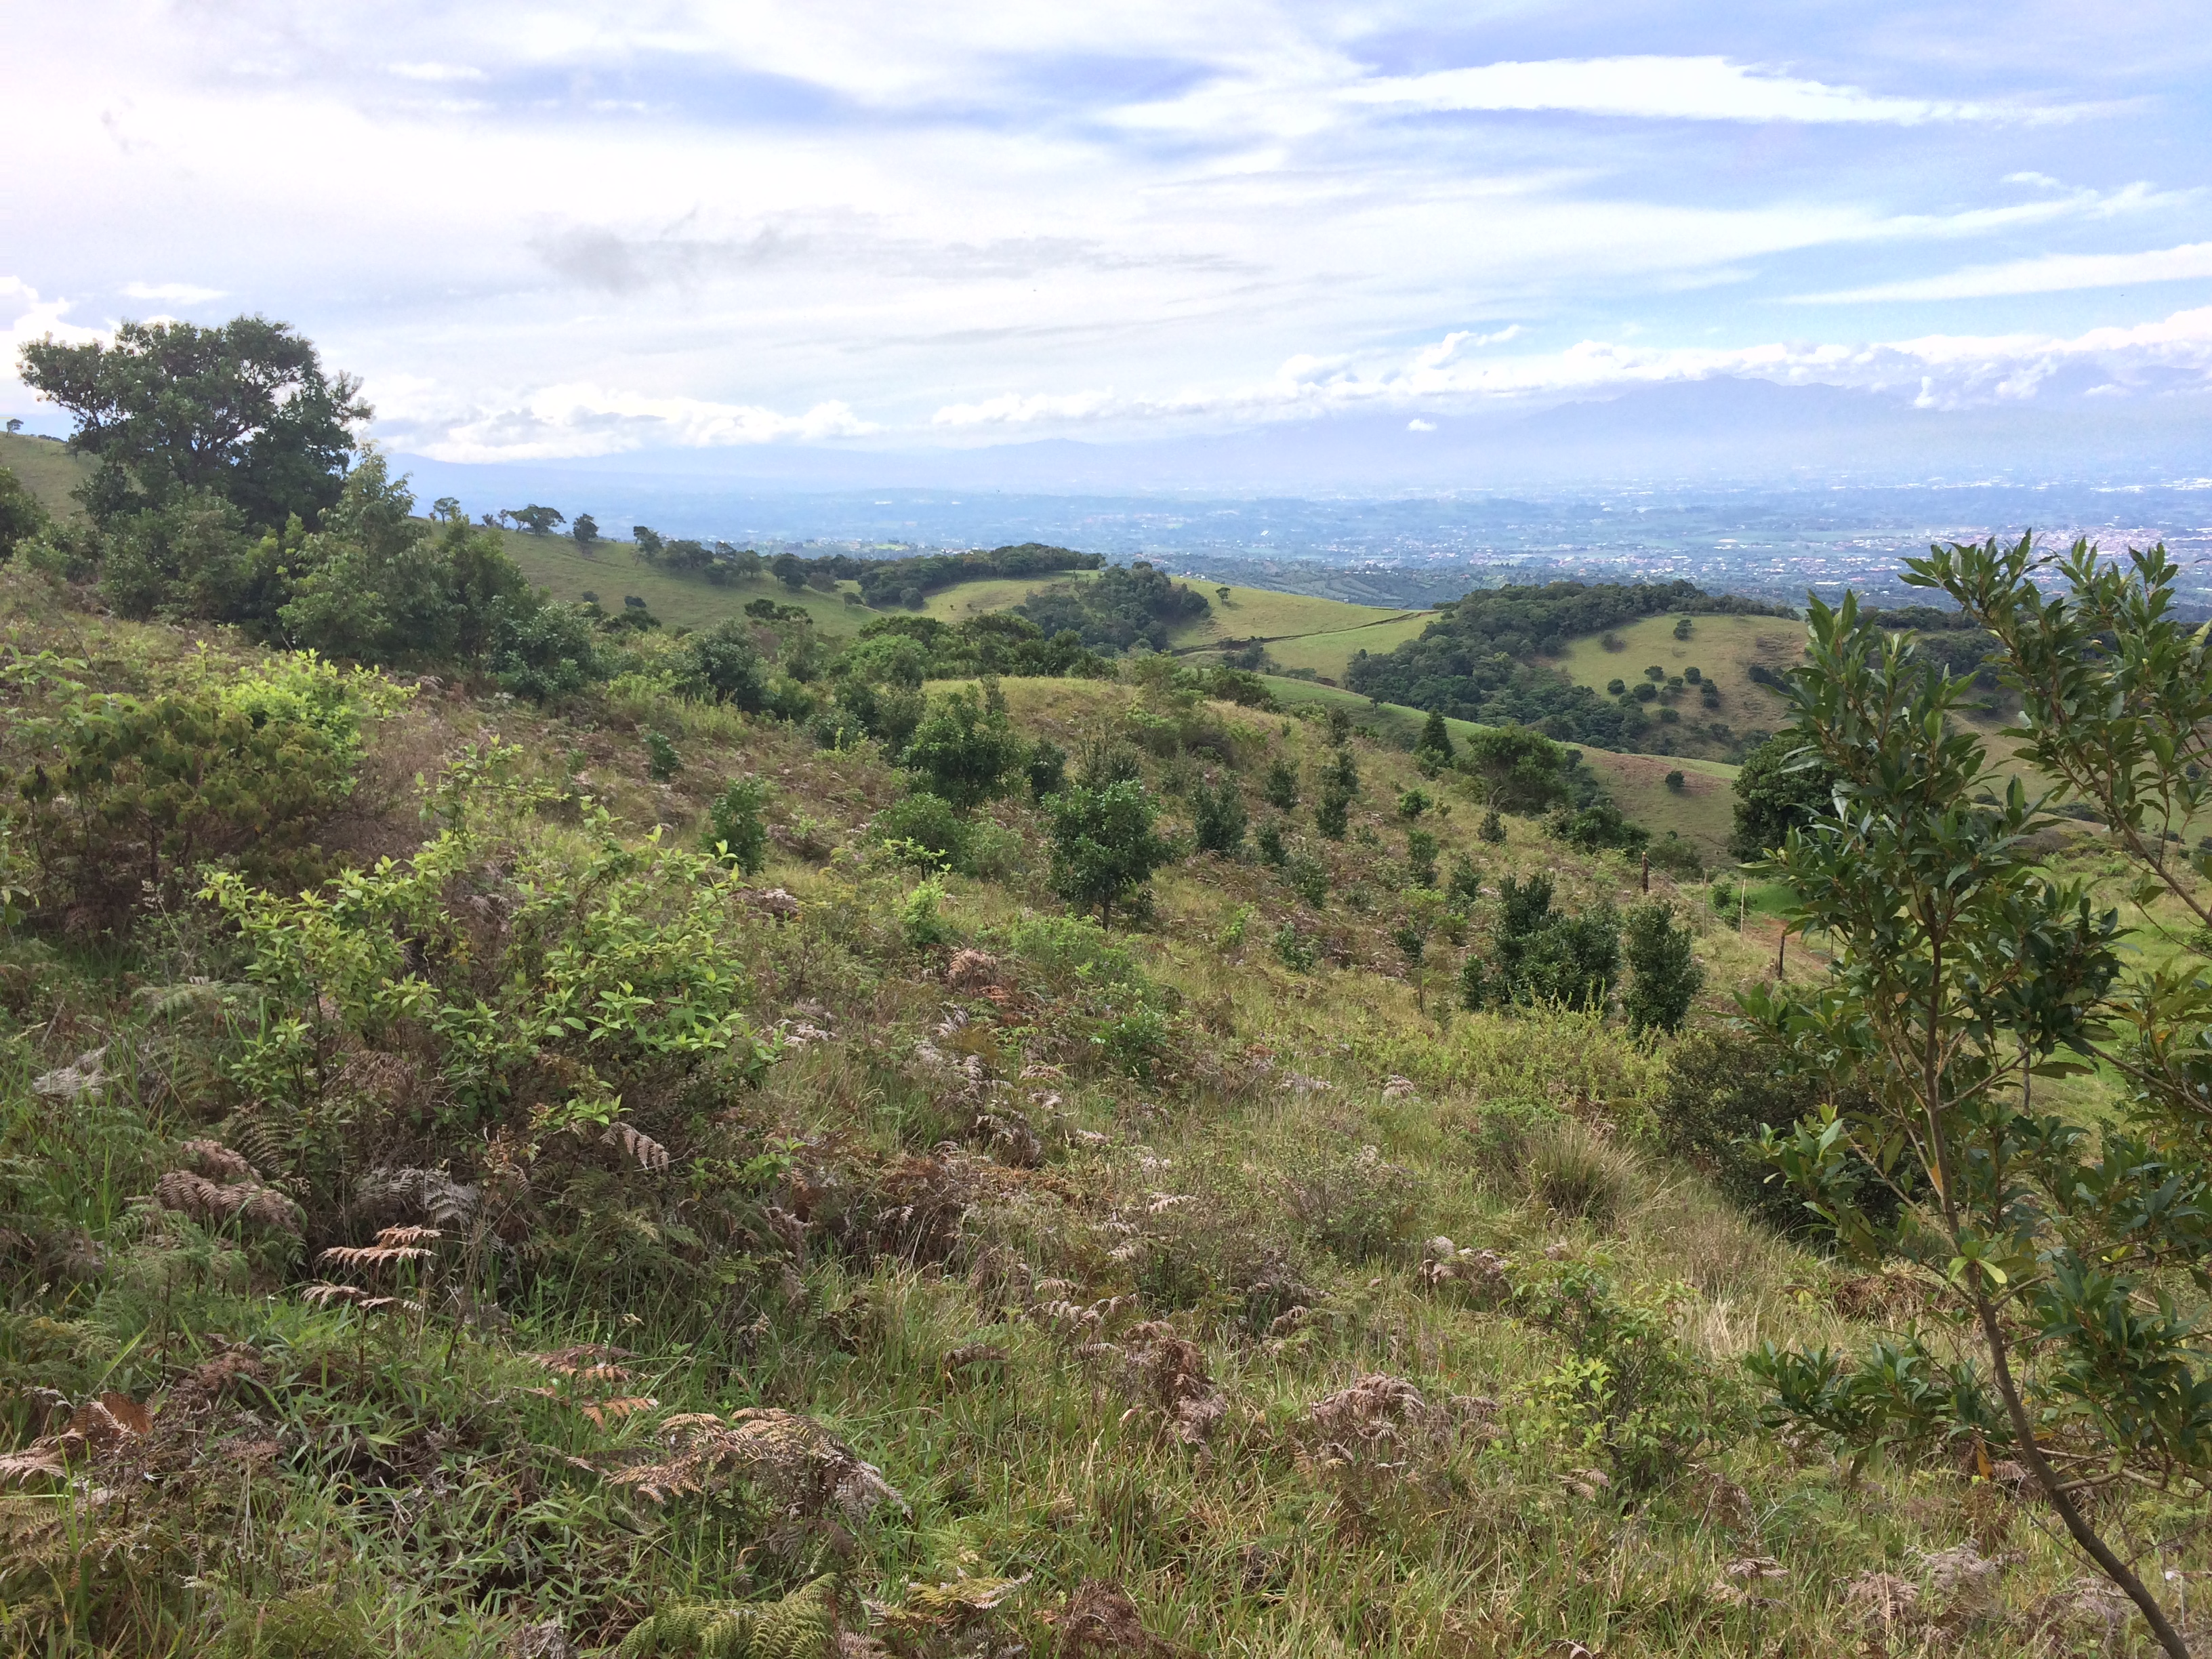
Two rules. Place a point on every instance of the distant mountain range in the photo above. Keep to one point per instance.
(1736, 431)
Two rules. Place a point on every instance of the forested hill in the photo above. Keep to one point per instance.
(1477, 660)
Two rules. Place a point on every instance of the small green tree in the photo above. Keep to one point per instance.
(1664, 977)
(1421, 858)
(723, 661)
(1521, 769)
(963, 752)
(537, 520)
(1047, 769)
(662, 763)
(1962, 972)
(585, 530)
(1412, 803)
(1217, 817)
(1540, 955)
(737, 825)
(1465, 888)
(1103, 845)
(1782, 786)
(1433, 747)
(21, 516)
(1492, 829)
(1281, 789)
(1340, 787)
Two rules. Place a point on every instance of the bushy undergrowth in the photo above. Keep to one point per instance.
(576, 1208)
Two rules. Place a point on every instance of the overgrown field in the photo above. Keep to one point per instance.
(635, 1175)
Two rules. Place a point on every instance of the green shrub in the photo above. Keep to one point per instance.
(736, 827)
(1465, 888)
(1599, 825)
(1664, 977)
(1632, 1395)
(1723, 1085)
(1421, 858)
(1492, 829)
(662, 763)
(926, 823)
(1217, 817)
(1678, 858)
(22, 515)
(1047, 770)
(1294, 950)
(543, 652)
(1134, 1041)
(921, 918)
(1412, 803)
(1103, 845)
(1540, 956)
(1281, 789)
(242, 768)
(963, 752)
(1269, 841)
(1308, 878)
(724, 663)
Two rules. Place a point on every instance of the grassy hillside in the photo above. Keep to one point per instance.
(48, 470)
(966, 599)
(1702, 811)
(1058, 1291)
(1722, 647)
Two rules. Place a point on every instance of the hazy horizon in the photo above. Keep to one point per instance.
(1248, 248)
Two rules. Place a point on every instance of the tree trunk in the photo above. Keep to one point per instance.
(2097, 1551)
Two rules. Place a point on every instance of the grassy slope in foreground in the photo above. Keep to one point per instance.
(1702, 811)
(438, 1482)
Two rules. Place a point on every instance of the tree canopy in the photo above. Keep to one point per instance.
(243, 412)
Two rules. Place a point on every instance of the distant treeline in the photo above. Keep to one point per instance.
(883, 582)
(907, 581)
(1474, 661)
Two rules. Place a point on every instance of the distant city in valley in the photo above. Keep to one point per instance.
(1774, 541)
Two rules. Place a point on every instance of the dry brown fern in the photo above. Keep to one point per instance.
(217, 1161)
(806, 1472)
(650, 1154)
(212, 1202)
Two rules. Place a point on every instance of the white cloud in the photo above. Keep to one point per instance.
(1940, 371)
(2048, 273)
(437, 72)
(1417, 424)
(1658, 87)
(1012, 409)
(29, 318)
(182, 294)
(569, 423)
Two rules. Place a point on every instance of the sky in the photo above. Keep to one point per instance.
(544, 233)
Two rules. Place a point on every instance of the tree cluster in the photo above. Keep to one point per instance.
(1477, 659)
(1124, 605)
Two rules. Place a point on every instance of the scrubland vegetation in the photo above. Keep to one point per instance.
(953, 1141)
